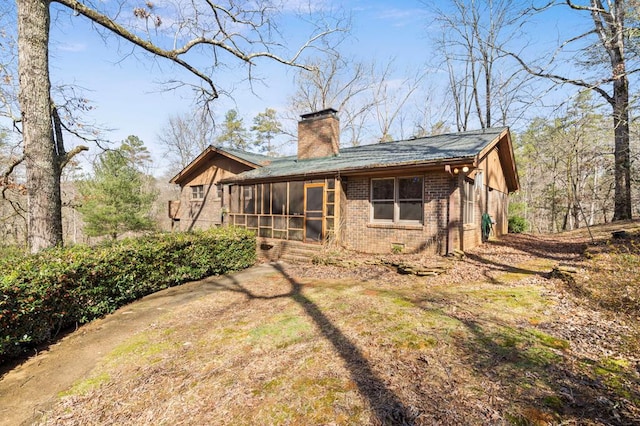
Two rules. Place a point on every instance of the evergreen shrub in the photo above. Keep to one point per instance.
(43, 293)
(517, 224)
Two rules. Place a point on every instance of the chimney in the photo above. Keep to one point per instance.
(319, 134)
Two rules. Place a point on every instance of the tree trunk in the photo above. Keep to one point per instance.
(44, 217)
(622, 173)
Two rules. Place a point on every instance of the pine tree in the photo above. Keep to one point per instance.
(266, 127)
(118, 199)
(234, 134)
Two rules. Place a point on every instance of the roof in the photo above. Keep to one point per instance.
(249, 158)
(463, 146)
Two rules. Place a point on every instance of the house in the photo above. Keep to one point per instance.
(426, 194)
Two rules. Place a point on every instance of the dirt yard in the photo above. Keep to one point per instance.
(497, 338)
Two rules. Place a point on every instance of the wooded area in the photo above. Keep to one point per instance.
(573, 110)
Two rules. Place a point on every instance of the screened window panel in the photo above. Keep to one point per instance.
(279, 195)
(296, 198)
(280, 223)
(249, 199)
(265, 221)
(331, 210)
(296, 235)
(314, 198)
(296, 222)
(234, 202)
(266, 198)
(252, 221)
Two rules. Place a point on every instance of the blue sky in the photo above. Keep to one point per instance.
(128, 98)
(124, 87)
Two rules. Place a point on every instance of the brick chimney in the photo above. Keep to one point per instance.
(319, 134)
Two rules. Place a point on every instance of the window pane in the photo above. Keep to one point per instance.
(382, 189)
(383, 210)
(469, 202)
(279, 193)
(411, 210)
(410, 188)
(197, 192)
(296, 198)
(249, 200)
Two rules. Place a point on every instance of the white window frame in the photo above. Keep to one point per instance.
(197, 192)
(468, 202)
(396, 201)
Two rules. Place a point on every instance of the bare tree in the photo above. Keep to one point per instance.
(390, 96)
(185, 136)
(606, 55)
(336, 82)
(230, 31)
(482, 83)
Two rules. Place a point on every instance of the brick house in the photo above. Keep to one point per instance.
(423, 194)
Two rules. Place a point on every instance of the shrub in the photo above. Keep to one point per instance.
(517, 224)
(57, 288)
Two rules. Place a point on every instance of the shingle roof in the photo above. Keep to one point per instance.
(251, 157)
(454, 146)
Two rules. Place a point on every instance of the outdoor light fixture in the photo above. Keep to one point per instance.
(465, 169)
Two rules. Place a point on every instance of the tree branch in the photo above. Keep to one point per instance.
(118, 29)
(224, 42)
(560, 79)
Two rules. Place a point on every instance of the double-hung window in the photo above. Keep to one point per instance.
(397, 199)
(197, 192)
(469, 202)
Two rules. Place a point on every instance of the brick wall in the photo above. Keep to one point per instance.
(318, 135)
(361, 235)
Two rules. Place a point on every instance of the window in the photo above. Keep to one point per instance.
(397, 199)
(197, 192)
(469, 202)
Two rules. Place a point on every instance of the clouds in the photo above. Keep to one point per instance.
(71, 47)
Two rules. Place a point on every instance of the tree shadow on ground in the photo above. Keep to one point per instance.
(386, 406)
(495, 266)
(543, 246)
(573, 393)
(544, 384)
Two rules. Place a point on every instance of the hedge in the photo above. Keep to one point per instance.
(44, 293)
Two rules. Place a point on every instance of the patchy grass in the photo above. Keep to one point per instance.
(493, 341)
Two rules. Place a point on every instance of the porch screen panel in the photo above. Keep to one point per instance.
(249, 199)
(279, 195)
(382, 199)
(234, 202)
(266, 198)
(296, 198)
(410, 199)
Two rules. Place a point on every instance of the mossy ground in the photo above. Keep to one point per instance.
(495, 340)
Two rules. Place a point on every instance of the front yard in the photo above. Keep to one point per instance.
(494, 340)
